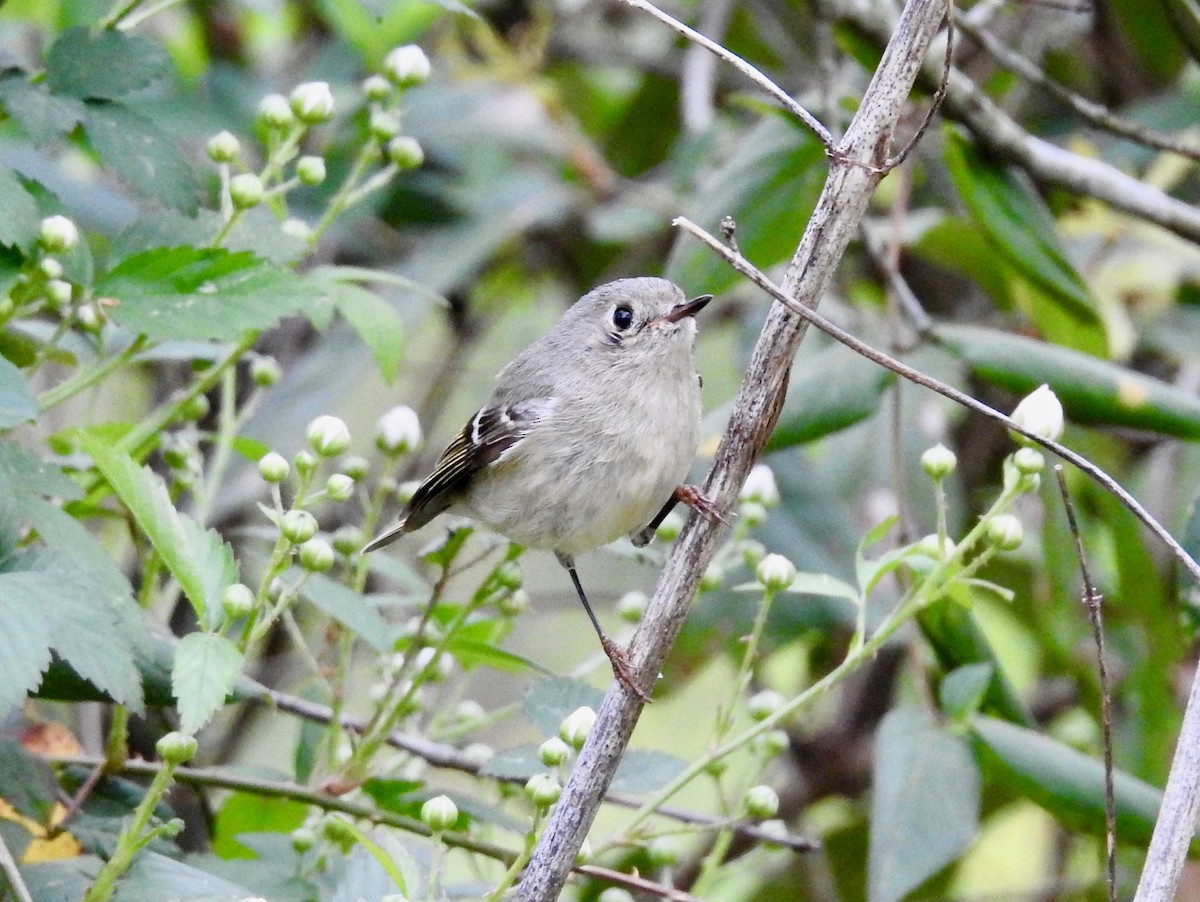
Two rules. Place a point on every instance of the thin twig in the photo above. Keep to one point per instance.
(8, 866)
(750, 271)
(1094, 113)
(1093, 602)
(938, 95)
(742, 66)
(636, 882)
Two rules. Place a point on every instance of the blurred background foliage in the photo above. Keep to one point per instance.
(560, 138)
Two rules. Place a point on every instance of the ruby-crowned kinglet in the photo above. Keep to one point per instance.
(587, 436)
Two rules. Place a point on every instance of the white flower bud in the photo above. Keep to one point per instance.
(1005, 532)
(407, 65)
(765, 703)
(575, 726)
(246, 190)
(714, 575)
(50, 268)
(761, 801)
(615, 894)
(312, 102)
(775, 572)
(299, 526)
(273, 467)
(514, 603)
(439, 813)
(665, 851)
(223, 147)
(398, 431)
(58, 292)
(356, 467)
(316, 555)
(930, 547)
(237, 601)
(405, 152)
(510, 575)
(339, 487)
(1028, 461)
(760, 486)
(265, 371)
(57, 234)
(1041, 413)
(479, 753)
(753, 552)
(306, 463)
(310, 170)
(296, 228)
(543, 790)
(384, 125)
(553, 752)
(632, 606)
(348, 539)
(274, 111)
(752, 513)
(770, 743)
(376, 88)
(328, 436)
(669, 529)
(938, 462)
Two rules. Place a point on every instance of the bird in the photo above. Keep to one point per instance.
(588, 435)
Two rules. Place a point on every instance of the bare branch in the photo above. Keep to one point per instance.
(852, 178)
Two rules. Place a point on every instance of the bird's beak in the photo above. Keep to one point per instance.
(688, 308)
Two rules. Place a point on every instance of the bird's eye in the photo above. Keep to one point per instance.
(622, 317)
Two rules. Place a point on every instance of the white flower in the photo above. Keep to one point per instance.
(760, 486)
(775, 572)
(58, 234)
(312, 102)
(399, 430)
(1041, 413)
(407, 65)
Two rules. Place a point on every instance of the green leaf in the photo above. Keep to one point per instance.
(104, 64)
(518, 763)
(206, 668)
(1020, 228)
(925, 803)
(1066, 782)
(17, 403)
(24, 472)
(154, 877)
(833, 391)
(26, 783)
(471, 653)
(1185, 16)
(397, 796)
(646, 770)
(197, 557)
(21, 221)
(245, 812)
(868, 572)
(963, 689)
(1091, 391)
(25, 642)
(141, 154)
(43, 115)
(548, 702)
(351, 609)
(196, 293)
(376, 322)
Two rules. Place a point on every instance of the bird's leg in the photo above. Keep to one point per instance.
(685, 494)
(616, 654)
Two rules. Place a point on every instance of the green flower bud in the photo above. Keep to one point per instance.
(246, 190)
(237, 601)
(58, 292)
(57, 234)
(348, 540)
(176, 748)
(310, 170)
(50, 268)
(195, 408)
(775, 572)
(1028, 461)
(298, 526)
(931, 547)
(316, 555)
(714, 576)
(265, 371)
(553, 752)
(669, 529)
(752, 513)
(407, 66)
(377, 89)
(274, 111)
(509, 575)
(405, 152)
(514, 603)
(543, 790)
(761, 801)
(356, 467)
(439, 813)
(328, 436)
(339, 487)
(770, 743)
(384, 125)
(223, 147)
(303, 839)
(765, 703)
(575, 726)
(632, 606)
(273, 467)
(90, 317)
(312, 102)
(1005, 532)
(752, 553)
(306, 463)
(938, 462)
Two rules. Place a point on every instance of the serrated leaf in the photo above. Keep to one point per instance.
(645, 770)
(197, 557)
(42, 114)
(351, 609)
(376, 322)
(17, 403)
(154, 877)
(206, 668)
(548, 702)
(1091, 390)
(141, 155)
(1066, 782)
(924, 806)
(1020, 228)
(26, 783)
(25, 472)
(21, 221)
(833, 391)
(197, 293)
(24, 649)
(105, 64)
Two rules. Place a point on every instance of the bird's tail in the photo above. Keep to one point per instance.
(386, 537)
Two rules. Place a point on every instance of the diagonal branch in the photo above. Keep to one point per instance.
(852, 178)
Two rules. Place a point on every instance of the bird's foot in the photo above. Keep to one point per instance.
(622, 670)
(700, 503)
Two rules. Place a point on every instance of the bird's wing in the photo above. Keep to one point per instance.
(485, 439)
